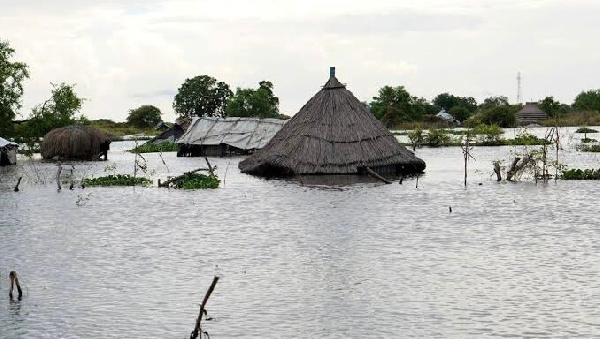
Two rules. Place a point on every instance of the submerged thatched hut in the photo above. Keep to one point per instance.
(8, 152)
(333, 133)
(75, 143)
(531, 114)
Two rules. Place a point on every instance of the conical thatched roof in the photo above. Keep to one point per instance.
(74, 142)
(333, 133)
(531, 113)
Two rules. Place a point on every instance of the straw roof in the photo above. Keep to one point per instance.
(531, 113)
(74, 142)
(333, 133)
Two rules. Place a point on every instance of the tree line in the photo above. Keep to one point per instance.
(203, 95)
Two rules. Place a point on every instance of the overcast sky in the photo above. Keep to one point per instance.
(122, 54)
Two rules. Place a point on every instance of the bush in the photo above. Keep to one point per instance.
(416, 138)
(527, 139)
(196, 181)
(437, 138)
(156, 147)
(578, 174)
(589, 148)
(117, 180)
(585, 130)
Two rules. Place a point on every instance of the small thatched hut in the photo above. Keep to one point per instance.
(75, 143)
(333, 133)
(8, 152)
(531, 114)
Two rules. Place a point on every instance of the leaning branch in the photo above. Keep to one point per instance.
(166, 183)
(198, 328)
(377, 176)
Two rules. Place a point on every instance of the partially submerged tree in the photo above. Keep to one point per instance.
(201, 96)
(12, 75)
(145, 116)
(58, 111)
(588, 101)
(260, 103)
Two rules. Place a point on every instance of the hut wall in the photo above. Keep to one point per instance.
(8, 156)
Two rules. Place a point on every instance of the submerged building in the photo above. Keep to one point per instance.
(209, 136)
(8, 152)
(333, 133)
(531, 114)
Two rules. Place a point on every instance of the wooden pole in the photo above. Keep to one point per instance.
(18, 183)
(198, 328)
(497, 171)
(14, 281)
(377, 176)
(58, 176)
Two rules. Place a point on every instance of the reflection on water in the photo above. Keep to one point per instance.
(302, 259)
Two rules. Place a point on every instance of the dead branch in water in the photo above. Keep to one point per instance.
(198, 329)
(18, 183)
(376, 176)
(14, 281)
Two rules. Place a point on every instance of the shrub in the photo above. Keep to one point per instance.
(156, 147)
(196, 181)
(437, 138)
(585, 130)
(117, 180)
(578, 174)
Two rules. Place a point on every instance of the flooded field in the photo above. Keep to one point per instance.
(300, 258)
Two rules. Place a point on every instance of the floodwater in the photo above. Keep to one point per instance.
(303, 259)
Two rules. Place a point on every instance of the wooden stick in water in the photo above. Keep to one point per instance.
(14, 281)
(197, 329)
(377, 176)
(18, 183)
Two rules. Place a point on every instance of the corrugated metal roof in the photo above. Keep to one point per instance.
(242, 133)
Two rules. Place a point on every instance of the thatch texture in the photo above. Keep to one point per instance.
(8, 152)
(333, 133)
(75, 142)
(531, 113)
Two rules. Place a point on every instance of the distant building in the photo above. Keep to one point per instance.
(531, 114)
(445, 115)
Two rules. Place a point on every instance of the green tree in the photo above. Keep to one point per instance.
(259, 103)
(551, 107)
(12, 74)
(58, 111)
(394, 105)
(588, 101)
(144, 116)
(503, 116)
(447, 101)
(460, 113)
(201, 96)
(494, 101)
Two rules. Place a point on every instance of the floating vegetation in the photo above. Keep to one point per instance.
(155, 148)
(117, 180)
(527, 140)
(190, 181)
(588, 140)
(579, 174)
(588, 148)
(585, 130)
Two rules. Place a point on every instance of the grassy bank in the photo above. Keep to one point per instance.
(117, 130)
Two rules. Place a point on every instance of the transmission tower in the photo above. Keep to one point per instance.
(519, 92)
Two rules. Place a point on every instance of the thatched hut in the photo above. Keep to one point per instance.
(75, 143)
(210, 136)
(333, 133)
(531, 114)
(8, 152)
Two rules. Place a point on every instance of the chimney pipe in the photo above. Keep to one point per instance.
(331, 72)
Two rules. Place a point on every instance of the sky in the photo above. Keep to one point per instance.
(122, 54)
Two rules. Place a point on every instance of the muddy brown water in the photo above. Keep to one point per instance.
(302, 258)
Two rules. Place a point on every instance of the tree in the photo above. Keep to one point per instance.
(588, 101)
(503, 116)
(12, 74)
(447, 101)
(551, 107)
(460, 113)
(201, 96)
(494, 101)
(58, 111)
(394, 105)
(144, 116)
(259, 103)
